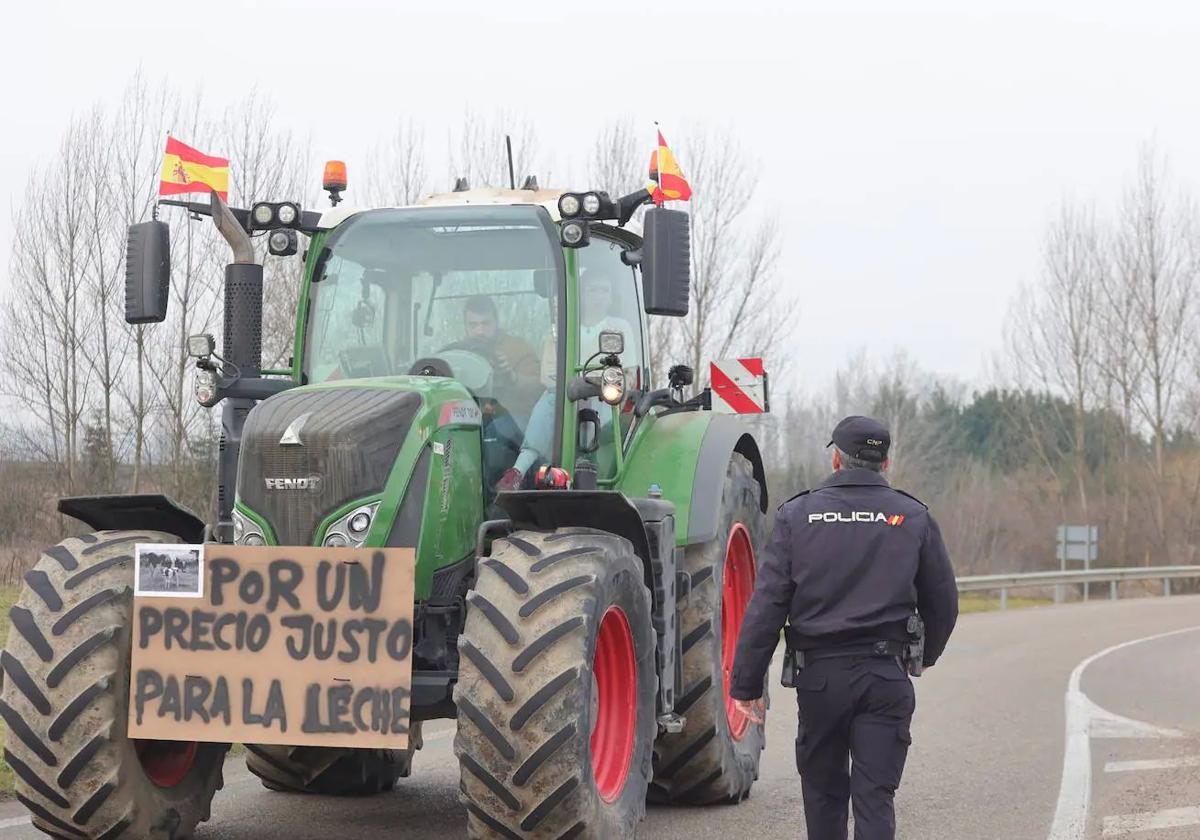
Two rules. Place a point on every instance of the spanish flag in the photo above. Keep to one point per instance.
(186, 170)
(666, 178)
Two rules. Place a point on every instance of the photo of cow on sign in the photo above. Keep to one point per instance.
(170, 570)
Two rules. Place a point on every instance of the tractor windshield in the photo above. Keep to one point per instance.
(466, 292)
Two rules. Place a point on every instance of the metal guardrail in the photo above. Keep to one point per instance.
(1113, 577)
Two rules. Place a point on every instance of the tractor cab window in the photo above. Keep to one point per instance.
(610, 299)
(469, 293)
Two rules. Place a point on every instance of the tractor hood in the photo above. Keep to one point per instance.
(311, 451)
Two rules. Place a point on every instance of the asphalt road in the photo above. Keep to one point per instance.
(993, 723)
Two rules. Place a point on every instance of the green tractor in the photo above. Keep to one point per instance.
(471, 380)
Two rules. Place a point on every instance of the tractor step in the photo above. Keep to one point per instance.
(671, 723)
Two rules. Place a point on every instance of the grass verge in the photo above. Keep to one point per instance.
(973, 602)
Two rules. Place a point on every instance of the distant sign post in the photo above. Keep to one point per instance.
(1077, 544)
(275, 645)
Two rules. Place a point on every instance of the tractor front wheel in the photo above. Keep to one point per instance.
(556, 689)
(65, 703)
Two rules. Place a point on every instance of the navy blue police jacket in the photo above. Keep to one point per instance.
(848, 562)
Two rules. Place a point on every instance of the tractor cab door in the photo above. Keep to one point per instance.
(610, 298)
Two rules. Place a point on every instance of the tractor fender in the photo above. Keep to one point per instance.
(135, 512)
(686, 455)
(726, 434)
(605, 510)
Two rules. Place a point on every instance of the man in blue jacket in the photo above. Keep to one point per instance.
(850, 563)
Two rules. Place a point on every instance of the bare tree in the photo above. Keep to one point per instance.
(477, 150)
(1053, 337)
(1121, 367)
(396, 173)
(737, 303)
(618, 159)
(1156, 261)
(136, 140)
(48, 324)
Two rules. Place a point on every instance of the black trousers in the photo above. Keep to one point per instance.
(853, 740)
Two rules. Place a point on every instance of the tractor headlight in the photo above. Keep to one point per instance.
(574, 234)
(591, 204)
(360, 523)
(568, 205)
(206, 387)
(352, 529)
(612, 385)
(262, 214)
(246, 531)
(287, 213)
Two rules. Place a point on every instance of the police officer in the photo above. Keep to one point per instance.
(848, 565)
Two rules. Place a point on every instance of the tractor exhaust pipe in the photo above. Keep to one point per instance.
(242, 349)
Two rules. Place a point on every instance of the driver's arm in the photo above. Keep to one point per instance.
(523, 364)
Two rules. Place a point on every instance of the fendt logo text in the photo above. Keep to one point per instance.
(312, 483)
(856, 516)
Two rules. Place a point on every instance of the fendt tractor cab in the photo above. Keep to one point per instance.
(471, 386)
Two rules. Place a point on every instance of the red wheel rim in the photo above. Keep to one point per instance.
(614, 717)
(735, 596)
(166, 763)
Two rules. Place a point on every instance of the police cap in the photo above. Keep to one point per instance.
(863, 438)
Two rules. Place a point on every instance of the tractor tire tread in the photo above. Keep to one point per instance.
(65, 702)
(524, 757)
(704, 764)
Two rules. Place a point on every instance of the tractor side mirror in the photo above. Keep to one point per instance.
(147, 273)
(666, 262)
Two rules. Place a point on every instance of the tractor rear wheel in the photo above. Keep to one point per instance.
(331, 771)
(65, 703)
(715, 758)
(556, 689)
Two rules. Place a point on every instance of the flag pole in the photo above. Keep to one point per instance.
(154, 209)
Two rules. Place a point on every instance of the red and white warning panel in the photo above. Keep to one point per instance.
(739, 386)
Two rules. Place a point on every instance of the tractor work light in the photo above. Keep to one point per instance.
(591, 204)
(262, 214)
(612, 385)
(201, 346)
(574, 234)
(336, 541)
(612, 342)
(282, 243)
(287, 213)
(568, 205)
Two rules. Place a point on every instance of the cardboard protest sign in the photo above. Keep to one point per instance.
(272, 645)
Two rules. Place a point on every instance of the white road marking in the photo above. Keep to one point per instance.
(1132, 823)
(1152, 764)
(1084, 720)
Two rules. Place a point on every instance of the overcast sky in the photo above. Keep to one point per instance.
(913, 156)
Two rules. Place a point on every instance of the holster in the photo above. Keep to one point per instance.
(792, 663)
(914, 656)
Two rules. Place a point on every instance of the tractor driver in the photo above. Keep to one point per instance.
(515, 362)
(595, 316)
